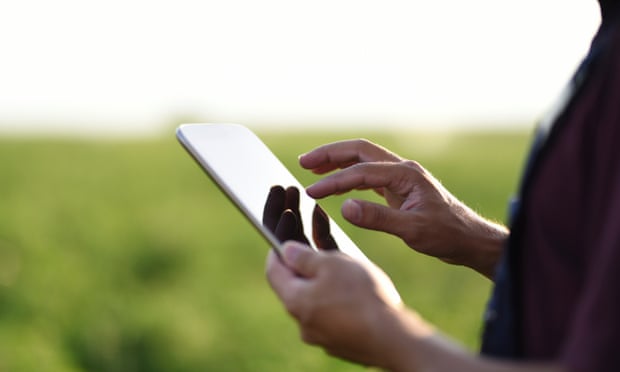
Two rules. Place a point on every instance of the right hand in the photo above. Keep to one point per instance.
(419, 209)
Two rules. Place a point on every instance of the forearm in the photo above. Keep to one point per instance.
(416, 347)
(347, 308)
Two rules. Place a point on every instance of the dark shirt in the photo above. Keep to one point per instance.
(569, 249)
(609, 8)
(557, 294)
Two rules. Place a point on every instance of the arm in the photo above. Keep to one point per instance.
(419, 209)
(346, 307)
(419, 350)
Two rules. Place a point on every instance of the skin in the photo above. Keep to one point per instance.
(419, 209)
(345, 307)
(350, 308)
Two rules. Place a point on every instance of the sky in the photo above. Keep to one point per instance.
(134, 67)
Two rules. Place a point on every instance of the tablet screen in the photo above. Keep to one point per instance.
(245, 169)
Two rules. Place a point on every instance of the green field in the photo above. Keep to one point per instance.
(123, 256)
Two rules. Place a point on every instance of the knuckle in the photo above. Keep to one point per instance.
(363, 146)
(413, 164)
(363, 142)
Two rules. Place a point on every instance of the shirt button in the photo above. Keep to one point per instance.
(490, 315)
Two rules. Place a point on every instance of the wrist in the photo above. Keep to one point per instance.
(419, 347)
(400, 337)
(484, 243)
(489, 242)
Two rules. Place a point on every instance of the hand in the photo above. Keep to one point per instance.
(419, 209)
(341, 304)
(348, 308)
(282, 217)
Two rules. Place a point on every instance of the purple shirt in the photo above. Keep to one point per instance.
(570, 247)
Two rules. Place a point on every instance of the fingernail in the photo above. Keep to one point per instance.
(309, 189)
(352, 210)
(292, 250)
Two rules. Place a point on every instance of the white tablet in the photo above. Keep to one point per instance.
(245, 170)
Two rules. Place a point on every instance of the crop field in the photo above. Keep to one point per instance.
(121, 255)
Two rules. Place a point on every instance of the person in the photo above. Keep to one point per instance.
(556, 272)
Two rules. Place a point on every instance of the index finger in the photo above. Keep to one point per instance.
(399, 178)
(343, 154)
(279, 276)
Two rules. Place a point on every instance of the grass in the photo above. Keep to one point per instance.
(123, 256)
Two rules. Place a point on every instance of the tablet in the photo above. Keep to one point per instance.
(245, 169)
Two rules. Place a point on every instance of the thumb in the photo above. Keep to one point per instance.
(375, 216)
(300, 258)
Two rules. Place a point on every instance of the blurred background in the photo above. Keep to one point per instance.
(118, 254)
